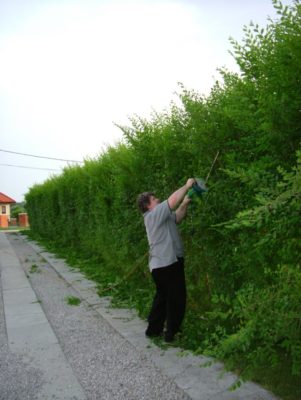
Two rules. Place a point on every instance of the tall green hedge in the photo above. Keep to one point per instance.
(243, 239)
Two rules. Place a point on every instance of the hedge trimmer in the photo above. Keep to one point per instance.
(199, 187)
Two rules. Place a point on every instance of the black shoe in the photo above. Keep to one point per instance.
(149, 333)
(169, 337)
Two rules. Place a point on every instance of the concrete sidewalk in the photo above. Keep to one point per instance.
(28, 329)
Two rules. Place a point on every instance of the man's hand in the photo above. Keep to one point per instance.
(186, 200)
(176, 198)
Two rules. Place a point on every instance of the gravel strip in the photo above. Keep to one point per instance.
(106, 365)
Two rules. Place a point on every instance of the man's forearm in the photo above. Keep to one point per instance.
(182, 210)
(179, 194)
(177, 197)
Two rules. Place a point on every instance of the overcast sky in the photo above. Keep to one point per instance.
(71, 69)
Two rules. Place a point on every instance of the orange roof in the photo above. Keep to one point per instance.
(5, 199)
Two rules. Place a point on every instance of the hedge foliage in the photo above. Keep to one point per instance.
(243, 239)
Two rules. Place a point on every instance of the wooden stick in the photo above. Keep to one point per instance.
(212, 166)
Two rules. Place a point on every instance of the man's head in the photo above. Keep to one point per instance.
(147, 201)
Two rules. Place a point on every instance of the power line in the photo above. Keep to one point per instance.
(33, 155)
(24, 166)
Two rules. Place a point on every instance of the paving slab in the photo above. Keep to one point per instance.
(19, 296)
(13, 277)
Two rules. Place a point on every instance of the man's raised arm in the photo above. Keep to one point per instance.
(176, 198)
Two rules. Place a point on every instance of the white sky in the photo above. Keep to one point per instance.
(70, 69)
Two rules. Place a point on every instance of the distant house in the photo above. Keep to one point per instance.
(5, 203)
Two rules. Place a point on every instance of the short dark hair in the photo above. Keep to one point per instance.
(143, 201)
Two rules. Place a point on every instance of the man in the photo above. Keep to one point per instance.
(166, 260)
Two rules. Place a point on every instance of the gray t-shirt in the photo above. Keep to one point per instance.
(163, 237)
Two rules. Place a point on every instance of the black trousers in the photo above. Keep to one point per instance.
(170, 299)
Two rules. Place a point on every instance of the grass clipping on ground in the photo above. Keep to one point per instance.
(72, 300)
